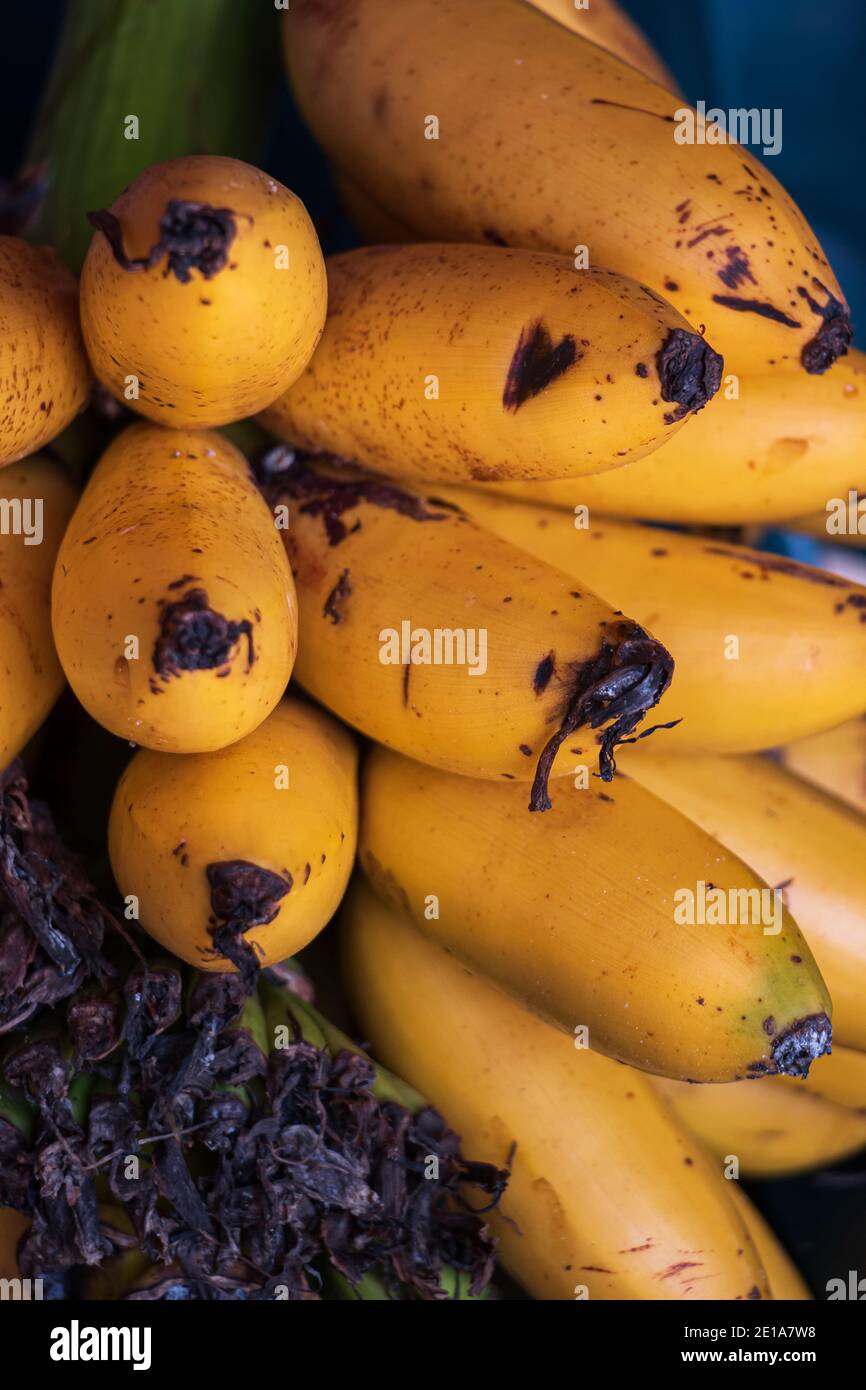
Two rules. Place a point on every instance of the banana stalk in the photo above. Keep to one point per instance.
(133, 84)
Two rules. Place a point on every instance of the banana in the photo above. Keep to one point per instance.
(173, 607)
(36, 500)
(497, 659)
(827, 526)
(767, 650)
(487, 363)
(203, 293)
(376, 226)
(606, 1193)
(786, 1282)
(785, 446)
(795, 837)
(604, 23)
(583, 917)
(12, 1227)
(242, 854)
(480, 120)
(44, 374)
(835, 761)
(841, 1079)
(773, 1131)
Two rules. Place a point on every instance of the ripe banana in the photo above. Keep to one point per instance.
(203, 293)
(606, 1192)
(834, 761)
(12, 1227)
(594, 917)
(376, 226)
(796, 838)
(786, 1281)
(487, 363)
(37, 501)
(244, 853)
(773, 1131)
(604, 23)
(174, 609)
(433, 636)
(785, 446)
(44, 375)
(766, 650)
(840, 1079)
(480, 120)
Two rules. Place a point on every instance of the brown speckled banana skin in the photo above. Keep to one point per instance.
(210, 336)
(547, 141)
(44, 374)
(548, 656)
(477, 362)
(698, 595)
(573, 914)
(31, 677)
(607, 1190)
(173, 546)
(175, 818)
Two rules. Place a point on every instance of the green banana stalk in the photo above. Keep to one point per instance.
(136, 83)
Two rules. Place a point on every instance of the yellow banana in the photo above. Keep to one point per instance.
(598, 916)
(480, 120)
(376, 226)
(488, 363)
(244, 850)
(12, 1227)
(174, 609)
(203, 294)
(766, 650)
(773, 1131)
(786, 445)
(606, 1193)
(604, 23)
(37, 502)
(44, 373)
(841, 1078)
(834, 761)
(797, 839)
(435, 637)
(786, 1282)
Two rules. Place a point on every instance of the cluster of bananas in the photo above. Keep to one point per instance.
(568, 322)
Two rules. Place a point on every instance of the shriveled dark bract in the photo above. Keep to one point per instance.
(52, 925)
(254, 1170)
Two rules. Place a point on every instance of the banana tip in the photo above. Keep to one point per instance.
(801, 1044)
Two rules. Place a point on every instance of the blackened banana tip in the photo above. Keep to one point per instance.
(801, 1044)
(690, 372)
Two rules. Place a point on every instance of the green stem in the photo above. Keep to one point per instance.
(199, 77)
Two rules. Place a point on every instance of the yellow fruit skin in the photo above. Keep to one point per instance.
(459, 348)
(541, 134)
(834, 760)
(284, 800)
(573, 914)
(606, 1192)
(604, 23)
(786, 446)
(220, 346)
(44, 374)
(773, 1130)
(791, 835)
(786, 1282)
(369, 556)
(167, 516)
(12, 1227)
(376, 226)
(841, 1079)
(798, 665)
(30, 674)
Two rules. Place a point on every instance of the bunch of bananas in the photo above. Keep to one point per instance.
(581, 906)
